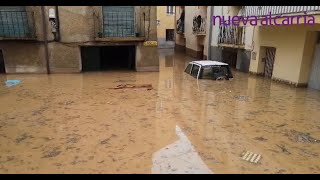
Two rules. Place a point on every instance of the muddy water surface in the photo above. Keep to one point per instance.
(73, 123)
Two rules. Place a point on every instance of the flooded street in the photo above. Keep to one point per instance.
(73, 123)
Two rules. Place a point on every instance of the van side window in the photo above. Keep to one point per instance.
(195, 70)
(207, 73)
(188, 69)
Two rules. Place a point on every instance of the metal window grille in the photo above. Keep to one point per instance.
(231, 35)
(118, 22)
(170, 9)
(169, 34)
(16, 24)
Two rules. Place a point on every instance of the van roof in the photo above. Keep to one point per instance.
(208, 63)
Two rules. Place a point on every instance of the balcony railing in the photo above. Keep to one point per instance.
(277, 10)
(231, 35)
(120, 25)
(199, 25)
(17, 25)
(180, 26)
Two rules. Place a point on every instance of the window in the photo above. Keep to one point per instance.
(220, 71)
(2, 65)
(118, 21)
(169, 34)
(188, 69)
(14, 21)
(195, 71)
(170, 10)
(207, 73)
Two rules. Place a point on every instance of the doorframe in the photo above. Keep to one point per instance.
(4, 63)
(134, 45)
(314, 61)
(274, 58)
(263, 58)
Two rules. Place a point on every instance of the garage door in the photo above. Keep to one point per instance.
(118, 21)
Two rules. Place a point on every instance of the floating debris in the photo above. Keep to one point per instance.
(23, 137)
(301, 137)
(10, 83)
(123, 81)
(242, 98)
(260, 138)
(132, 86)
(52, 153)
(281, 125)
(251, 157)
(283, 149)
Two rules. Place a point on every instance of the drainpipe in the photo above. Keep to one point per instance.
(45, 38)
(210, 32)
(58, 38)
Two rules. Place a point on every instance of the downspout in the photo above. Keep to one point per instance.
(210, 33)
(58, 38)
(45, 38)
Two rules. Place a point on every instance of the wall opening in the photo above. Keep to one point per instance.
(2, 65)
(101, 58)
(314, 79)
(229, 56)
(201, 54)
(169, 34)
(243, 60)
(269, 61)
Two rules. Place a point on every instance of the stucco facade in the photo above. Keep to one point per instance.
(294, 52)
(294, 46)
(165, 21)
(78, 28)
(195, 44)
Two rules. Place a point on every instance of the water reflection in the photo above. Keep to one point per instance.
(178, 158)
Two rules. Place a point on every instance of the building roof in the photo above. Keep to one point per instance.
(209, 63)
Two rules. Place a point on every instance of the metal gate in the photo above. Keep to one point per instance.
(118, 21)
(13, 21)
(314, 81)
(268, 66)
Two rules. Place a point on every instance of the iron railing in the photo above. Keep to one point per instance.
(119, 24)
(277, 10)
(233, 35)
(199, 25)
(180, 26)
(17, 24)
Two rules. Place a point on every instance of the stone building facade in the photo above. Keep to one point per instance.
(59, 39)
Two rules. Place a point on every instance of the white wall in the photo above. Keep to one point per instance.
(217, 11)
(248, 38)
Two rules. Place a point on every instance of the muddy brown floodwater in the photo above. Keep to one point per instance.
(74, 123)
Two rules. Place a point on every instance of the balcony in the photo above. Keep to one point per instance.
(231, 36)
(17, 25)
(277, 10)
(199, 25)
(180, 26)
(119, 26)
